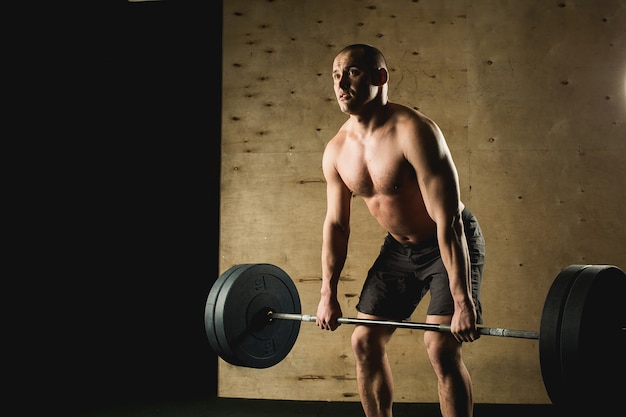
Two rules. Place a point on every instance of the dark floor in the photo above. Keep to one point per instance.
(228, 407)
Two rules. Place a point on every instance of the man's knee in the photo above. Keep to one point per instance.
(443, 350)
(369, 342)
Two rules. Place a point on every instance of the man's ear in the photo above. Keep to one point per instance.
(380, 77)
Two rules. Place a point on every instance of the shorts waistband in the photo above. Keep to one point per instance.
(410, 249)
(427, 245)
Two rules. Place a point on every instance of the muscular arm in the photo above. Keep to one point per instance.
(438, 181)
(335, 234)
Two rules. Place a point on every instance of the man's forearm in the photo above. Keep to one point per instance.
(455, 256)
(334, 253)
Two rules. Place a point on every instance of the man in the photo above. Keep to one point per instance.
(397, 160)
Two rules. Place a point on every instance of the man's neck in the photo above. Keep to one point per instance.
(372, 117)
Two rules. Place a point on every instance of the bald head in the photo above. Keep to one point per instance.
(360, 77)
(371, 56)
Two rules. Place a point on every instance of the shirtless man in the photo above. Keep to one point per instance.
(398, 161)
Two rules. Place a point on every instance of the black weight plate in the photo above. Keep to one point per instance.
(592, 339)
(209, 312)
(242, 327)
(550, 332)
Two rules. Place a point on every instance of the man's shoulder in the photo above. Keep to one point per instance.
(340, 135)
(411, 119)
(410, 112)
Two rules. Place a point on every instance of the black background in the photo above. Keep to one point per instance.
(123, 167)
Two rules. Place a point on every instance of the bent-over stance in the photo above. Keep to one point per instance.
(398, 161)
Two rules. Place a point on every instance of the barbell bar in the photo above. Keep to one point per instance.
(253, 315)
(483, 330)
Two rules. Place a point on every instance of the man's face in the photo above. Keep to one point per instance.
(352, 82)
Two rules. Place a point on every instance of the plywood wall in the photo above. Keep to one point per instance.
(531, 97)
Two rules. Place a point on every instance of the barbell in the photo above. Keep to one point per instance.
(253, 315)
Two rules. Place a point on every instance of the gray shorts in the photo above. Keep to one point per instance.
(403, 274)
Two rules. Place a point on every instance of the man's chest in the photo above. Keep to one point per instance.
(376, 170)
